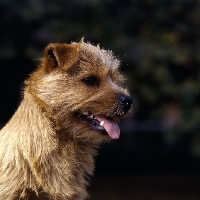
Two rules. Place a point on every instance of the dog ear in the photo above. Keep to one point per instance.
(60, 55)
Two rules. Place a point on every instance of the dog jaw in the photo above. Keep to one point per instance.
(103, 125)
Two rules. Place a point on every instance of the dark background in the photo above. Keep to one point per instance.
(158, 154)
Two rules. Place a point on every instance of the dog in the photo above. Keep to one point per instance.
(71, 104)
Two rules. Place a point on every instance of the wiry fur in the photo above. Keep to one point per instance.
(46, 151)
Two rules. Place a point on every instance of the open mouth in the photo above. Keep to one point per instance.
(104, 125)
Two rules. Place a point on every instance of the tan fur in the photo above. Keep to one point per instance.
(46, 150)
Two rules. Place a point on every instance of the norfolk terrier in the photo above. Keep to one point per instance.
(71, 104)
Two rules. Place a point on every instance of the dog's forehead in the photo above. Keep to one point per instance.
(98, 57)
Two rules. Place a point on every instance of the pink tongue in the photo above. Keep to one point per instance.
(111, 127)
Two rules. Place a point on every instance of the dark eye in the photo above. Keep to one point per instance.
(91, 81)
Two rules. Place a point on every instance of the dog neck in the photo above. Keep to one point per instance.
(47, 163)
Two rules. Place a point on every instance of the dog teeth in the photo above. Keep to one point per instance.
(86, 113)
(102, 123)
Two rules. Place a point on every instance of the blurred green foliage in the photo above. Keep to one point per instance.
(158, 42)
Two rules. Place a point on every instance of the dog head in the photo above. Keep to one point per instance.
(81, 87)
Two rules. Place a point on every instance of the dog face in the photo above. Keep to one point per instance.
(81, 87)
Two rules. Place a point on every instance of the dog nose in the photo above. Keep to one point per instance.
(125, 102)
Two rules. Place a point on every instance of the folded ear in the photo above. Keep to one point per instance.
(60, 55)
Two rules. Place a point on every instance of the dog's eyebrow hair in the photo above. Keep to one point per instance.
(75, 69)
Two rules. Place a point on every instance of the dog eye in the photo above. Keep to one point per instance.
(91, 81)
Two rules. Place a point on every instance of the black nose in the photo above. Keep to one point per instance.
(125, 102)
